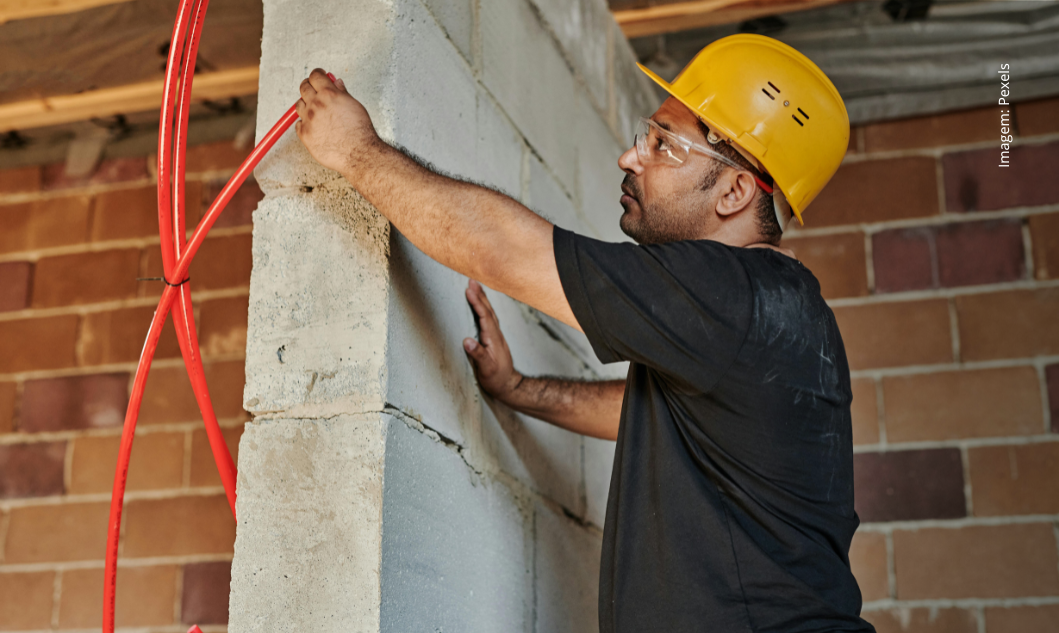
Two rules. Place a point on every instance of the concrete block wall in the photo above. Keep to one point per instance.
(379, 490)
(943, 271)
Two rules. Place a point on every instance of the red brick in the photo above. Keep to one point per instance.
(837, 261)
(877, 190)
(961, 404)
(8, 391)
(864, 412)
(205, 595)
(1037, 117)
(923, 620)
(118, 336)
(1015, 479)
(169, 398)
(909, 485)
(904, 260)
(145, 597)
(42, 343)
(74, 402)
(43, 223)
(90, 277)
(1013, 324)
(980, 561)
(15, 280)
(109, 171)
(240, 209)
(1044, 235)
(1040, 618)
(31, 470)
(1051, 377)
(223, 326)
(219, 156)
(896, 333)
(157, 463)
(974, 182)
(133, 213)
(867, 559)
(980, 253)
(203, 466)
(20, 179)
(938, 130)
(26, 600)
(179, 526)
(222, 262)
(57, 533)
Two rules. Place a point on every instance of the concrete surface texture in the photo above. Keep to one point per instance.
(379, 489)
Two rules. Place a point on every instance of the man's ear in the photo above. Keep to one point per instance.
(738, 189)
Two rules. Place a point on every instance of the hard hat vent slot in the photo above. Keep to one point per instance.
(804, 114)
(774, 87)
(796, 120)
(769, 94)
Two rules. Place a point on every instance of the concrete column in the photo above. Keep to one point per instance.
(378, 489)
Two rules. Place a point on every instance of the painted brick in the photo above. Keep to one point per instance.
(145, 597)
(1037, 117)
(895, 334)
(904, 260)
(980, 561)
(1051, 377)
(1043, 617)
(877, 190)
(923, 620)
(1015, 479)
(31, 470)
(222, 328)
(867, 559)
(1013, 324)
(8, 393)
(57, 533)
(157, 462)
(109, 171)
(86, 278)
(15, 280)
(74, 402)
(1044, 235)
(179, 526)
(42, 343)
(222, 262)
(219, 156)
(240, 208)
(951, 128)
(117, 336)
(203, 467)
(974, 182)
(20, 179)
(980, 253)
(837, 261)
(960, 404)
(864, 411)
(204, 599)
(26, 600)
(909, 485)
(44, 223)
(133, 213)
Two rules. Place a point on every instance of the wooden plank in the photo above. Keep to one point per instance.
(695, 14)
(123, 99)
(24, 9)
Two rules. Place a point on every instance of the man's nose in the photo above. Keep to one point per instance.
(630, 162)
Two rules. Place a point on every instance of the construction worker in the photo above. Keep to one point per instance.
(731, 499)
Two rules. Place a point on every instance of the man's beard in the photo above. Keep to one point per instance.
(663, 220)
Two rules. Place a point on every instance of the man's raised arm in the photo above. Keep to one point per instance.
(475, 231)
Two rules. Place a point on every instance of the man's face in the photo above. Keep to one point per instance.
(665, 202)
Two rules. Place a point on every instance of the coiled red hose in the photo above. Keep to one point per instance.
(177, 255)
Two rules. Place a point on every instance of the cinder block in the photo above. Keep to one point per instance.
(566, 570)
(581, 27)
(632, 92)
(457, 18)
(549, 199)
(598, 175)
(599, 465)
(456, 547)
(498, 149)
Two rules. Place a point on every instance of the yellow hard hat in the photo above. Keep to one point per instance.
(775, 104)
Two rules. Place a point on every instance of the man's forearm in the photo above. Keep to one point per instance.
(588, 408)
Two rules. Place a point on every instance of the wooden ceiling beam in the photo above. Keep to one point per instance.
(24, 9)
(695, 14)
(140, 97)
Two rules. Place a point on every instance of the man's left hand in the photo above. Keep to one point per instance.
(335, 127)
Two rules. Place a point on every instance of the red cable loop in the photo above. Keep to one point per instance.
(176, 259)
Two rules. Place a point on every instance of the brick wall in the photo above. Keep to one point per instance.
(943, 272)
(72, 322)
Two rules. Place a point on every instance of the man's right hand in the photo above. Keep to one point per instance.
(489, 355)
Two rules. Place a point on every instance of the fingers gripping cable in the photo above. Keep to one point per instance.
(177, 254)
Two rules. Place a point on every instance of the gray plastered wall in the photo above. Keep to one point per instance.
(379, 490)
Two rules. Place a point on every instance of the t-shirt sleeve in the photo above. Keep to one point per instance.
(681, 308)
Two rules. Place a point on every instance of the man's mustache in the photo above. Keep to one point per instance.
(631, 187)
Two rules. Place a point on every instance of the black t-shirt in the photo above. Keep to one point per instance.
(731, 500)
